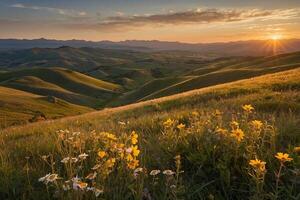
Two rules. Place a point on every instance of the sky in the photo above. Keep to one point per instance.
(191, 21)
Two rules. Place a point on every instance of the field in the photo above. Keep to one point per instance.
(93, 79)
(200, 144)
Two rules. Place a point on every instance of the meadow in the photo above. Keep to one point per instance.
(238, 140)
(90, 79)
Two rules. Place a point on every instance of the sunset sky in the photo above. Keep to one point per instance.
(190, 21)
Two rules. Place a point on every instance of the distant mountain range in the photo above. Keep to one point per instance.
(238, 48)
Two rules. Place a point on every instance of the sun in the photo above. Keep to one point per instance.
(276, 37)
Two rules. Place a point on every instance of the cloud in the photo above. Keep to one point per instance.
(65, 12)
(196, 16)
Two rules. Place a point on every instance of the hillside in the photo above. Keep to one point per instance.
(216, 72)
(209, 159)
(19, 107)
(69, 85)
(138, 76)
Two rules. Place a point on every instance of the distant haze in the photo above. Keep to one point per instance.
(238, 48)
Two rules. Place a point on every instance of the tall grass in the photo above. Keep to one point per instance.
(212, 154)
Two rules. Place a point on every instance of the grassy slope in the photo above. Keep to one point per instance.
(62, 83)
(221, 71)
(276, 94)
(17, 107)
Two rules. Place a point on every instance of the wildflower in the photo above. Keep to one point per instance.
(81, 185)
(256, 124)
(66, 186)
(74, 160)
(122, 123)
(98, 192)
(258, 165)
(234, 124)
(83, 156)
(297, 149)
(48, 178)
(110, 162)
(65, 160)
(134, 138)
(248, 108)
(135, 151)
(129, 157)
(76, 133)
(44, 157)
(155, 172)
(52, 177)
(133, 164)
(168, 172)
(91, 176)
(168, 123)
(44, 178)
(111, 136)
(101, 154)
(221, 131)
(138, 170)
(238, 134)
(283, 157)
(181, 126)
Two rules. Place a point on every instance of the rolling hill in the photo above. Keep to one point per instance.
(217, 72)
(62, 83)
(19, 107)
(208, 160)
(119, 77)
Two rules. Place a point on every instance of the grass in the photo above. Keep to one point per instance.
(213, 156)
(218, 71)
(68, 85)
(18, 107)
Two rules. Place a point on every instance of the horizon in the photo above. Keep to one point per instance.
(186, 22)
(166, 41)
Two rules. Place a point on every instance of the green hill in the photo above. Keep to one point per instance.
(69, 85)
(216, 72)
(214, 159)
(19, 107)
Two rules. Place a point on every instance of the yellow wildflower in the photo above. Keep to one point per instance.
(283, 157)
(135, 151)
(111, 136)
(168, 123)
(258, 165)
(238, 134)
(234, 124)
(110, 162)
(181, 126)
(101, 154)
(256, 124)
(129, 157)
(133, 164)
(221, 131)
(134, 137)
(248, 108)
